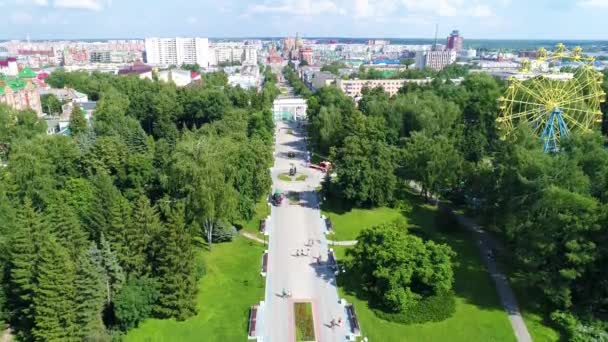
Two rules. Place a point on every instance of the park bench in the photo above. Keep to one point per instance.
(352, 317)
(264, 263)
(328, 224)
(253, 315)
(263, 226)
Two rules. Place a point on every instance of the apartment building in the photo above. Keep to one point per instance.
(177, 51)
(354, 88)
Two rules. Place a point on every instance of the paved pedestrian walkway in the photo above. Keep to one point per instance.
(296, 227)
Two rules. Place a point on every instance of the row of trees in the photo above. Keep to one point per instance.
(550, 208)
(100, 229)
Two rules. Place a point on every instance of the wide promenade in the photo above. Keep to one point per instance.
(292, 226)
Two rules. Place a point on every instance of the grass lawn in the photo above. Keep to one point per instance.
(479, 315)
(305, 327)
(348, 224)
(262, 210)
(232, 284)
(285, 177)
(301, 178)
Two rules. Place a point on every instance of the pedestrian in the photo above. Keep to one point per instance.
(332, 323)
(307, 251)
(339, 321)
(284, 293)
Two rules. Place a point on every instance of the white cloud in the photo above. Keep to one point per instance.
(92, 5)
(593, 3)
(21, 18)
(298, 7)
(33, 2)
(192, 20)
(481, 11)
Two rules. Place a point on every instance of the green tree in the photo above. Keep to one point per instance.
(433, 162)
(65, 226)
(24, 255)
(401, 269)
(366, 171)
(201, 180)
(176, 269)
(54, 306)
(50, 104)
(407, 62)
(78, 123)
(144, 227)
(135, 301)
(554, 241)
(113, 275)
(90, 293)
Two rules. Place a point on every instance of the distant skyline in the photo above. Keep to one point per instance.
(476, 19)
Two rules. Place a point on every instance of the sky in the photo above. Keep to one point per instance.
(490, 19)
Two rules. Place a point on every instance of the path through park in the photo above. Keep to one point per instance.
(291, 225)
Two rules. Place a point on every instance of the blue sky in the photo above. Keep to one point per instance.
(502, 19)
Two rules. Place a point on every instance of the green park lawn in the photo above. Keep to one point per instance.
(348, 224)
(262, 210)
(478, 316)
(231, 285)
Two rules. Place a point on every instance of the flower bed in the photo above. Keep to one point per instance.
(305, 327)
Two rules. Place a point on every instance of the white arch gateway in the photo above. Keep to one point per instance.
(289, 108)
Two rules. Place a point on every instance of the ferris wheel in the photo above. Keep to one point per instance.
(554, 104)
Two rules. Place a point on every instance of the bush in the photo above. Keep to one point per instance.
(224, 232)
(578, 330)
(134, 302)
(431, 309)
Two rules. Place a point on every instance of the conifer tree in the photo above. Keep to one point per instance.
(119, 222)
(176, 269)
(24, 251)
(113, 275)
(78, 123)
(53, 296)
(98, 220)
(65, 225)
(90, 295)
(138, 236)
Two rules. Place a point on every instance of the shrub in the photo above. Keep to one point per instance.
(134, 302)
(431, 309)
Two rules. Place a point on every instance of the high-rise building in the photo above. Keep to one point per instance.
(455, 41)
(437, 60)
(177, 51)
(306, 55)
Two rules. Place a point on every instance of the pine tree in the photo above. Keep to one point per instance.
(24, 255)
(54, 306)
(138, 236)
(120, 221)
(113, 274)
(98, 220)
(65, 225)
(90, 293)
(78, 123)
(176, 269)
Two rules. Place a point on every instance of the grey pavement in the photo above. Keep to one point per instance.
(290, 227)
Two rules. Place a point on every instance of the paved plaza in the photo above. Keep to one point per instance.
(291, 227)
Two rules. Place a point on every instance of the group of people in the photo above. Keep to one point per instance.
(335, 323)
(286, 294)
(300, 252)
